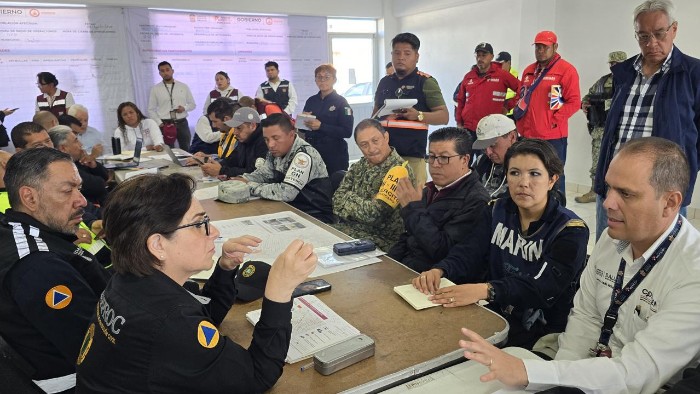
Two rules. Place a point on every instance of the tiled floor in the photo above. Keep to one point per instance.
(587, 213)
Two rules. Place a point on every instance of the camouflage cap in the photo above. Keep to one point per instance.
(617, 57)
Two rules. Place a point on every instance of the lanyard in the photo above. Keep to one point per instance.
(227, 144)
(620, 295)
(170, 93)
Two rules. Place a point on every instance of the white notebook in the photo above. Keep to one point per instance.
(417, 299)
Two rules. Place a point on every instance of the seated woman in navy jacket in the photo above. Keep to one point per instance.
(525, 256)
(153, 335)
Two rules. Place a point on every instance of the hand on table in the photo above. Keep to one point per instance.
(429, 281)
(211, 168)
(508, 369)
(460, 295)
(234, 249)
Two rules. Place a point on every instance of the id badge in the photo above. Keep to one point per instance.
(173, 114)
(555, 99)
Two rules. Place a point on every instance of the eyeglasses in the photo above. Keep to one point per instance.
(442, 160)
(645, 38)
(322, 78)
(204, 222)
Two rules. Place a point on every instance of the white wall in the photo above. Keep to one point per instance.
(449, 35)
(587, 30)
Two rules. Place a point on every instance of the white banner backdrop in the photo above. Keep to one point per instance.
(105, 55)
(200, 45)
(83, 47)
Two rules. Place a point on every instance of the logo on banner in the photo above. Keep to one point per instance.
(207, 334)
(268, 21)
(58, 297)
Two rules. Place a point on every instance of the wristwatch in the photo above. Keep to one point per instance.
(490, 293)
(420, 116)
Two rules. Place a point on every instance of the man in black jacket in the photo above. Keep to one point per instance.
(242, 148)
(50, 286)
(447, 209)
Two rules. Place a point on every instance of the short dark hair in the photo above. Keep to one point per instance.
(366, 124)
(138, 208)
(281, 120)
(164, 63)
(68, 120)
(221, 107)
(388, 65)
(408, 38)
(223, 74)
(30, 168)
(272, 64)
(670, 170)
(24, 129)
(462, 139)
(46, 77)
(540, 148)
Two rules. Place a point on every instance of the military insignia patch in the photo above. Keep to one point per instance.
(348, 111)
(58, 297)
(331, 108)
(87, 342)
(207, 334)
(248, 271)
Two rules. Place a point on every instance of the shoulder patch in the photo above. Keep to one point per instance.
(424, 74)
(58, 297)
(207, 334)
(576, 223)
(87, 342)
(299, 171)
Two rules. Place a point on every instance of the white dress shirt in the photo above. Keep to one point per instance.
(657, 332)
(159, 105)
(147, 129)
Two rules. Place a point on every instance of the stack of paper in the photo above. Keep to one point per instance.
(315, 327)
(417, 299)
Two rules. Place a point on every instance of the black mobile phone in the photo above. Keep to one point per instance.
(311, 287)
(352, 247)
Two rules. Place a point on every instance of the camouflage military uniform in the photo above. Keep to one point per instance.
(602, 88)
(363, 216)
(299, 178)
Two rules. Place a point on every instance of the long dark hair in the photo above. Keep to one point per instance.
(120, 120)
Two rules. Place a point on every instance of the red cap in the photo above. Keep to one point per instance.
(546, 37)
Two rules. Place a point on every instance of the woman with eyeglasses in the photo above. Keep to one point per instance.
(524, 257)
(133, 126)
(150, 333)
(332, 122)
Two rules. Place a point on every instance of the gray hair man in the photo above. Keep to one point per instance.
(657, 93)
(90, 137)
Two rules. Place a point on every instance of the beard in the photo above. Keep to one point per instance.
(59, 225)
